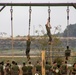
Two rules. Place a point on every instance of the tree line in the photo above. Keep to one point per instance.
(70, 31)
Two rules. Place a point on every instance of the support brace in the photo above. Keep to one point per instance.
(2, 8)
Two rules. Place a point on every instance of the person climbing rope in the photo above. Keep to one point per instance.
(67, 52)
(28, 42)
(48, 27)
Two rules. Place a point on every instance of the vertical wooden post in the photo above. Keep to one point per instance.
(43, 62)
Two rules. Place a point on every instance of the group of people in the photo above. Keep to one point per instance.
(36, 69)
(9, 68)
(53, 69)
(14, 69)
(62, 69)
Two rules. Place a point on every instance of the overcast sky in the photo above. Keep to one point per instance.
(39, 16)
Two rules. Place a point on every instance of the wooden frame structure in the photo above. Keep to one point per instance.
(37, 4)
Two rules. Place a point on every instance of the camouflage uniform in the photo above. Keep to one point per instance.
(15, 69)
(74, 71)
(38, 68)
(47, 68)
(1, 68)
(8, 69)
(55, 69)
(63, 69)
(28, 42)
(48, 33)
(29, 68)
(24, 69)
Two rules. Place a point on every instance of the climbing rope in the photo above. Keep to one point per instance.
(29, 20)
(28, 41)
(67, 25)
(49, 15)
(11, 11)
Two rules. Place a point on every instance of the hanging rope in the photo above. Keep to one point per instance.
(49, 15)
(28, 40)
(29, 20)
(67, 25)
(11, 10)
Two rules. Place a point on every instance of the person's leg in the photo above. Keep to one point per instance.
(27, 54)
(50, 38)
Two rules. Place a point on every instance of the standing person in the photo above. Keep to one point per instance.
(55, 69)
(50, 71)
(24, 69)
(38, 68)
(1, 68)
(28, 42)
(67, 52)
(47, 67)
(15, 69)
(73, 71)
(7, 69)
(48, 27)
(64, 68)
(29, 68)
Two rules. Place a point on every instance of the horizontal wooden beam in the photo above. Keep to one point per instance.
(38, 4)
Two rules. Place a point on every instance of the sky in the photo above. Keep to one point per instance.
(39, 16)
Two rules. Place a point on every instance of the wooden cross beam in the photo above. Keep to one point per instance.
(38, 4)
